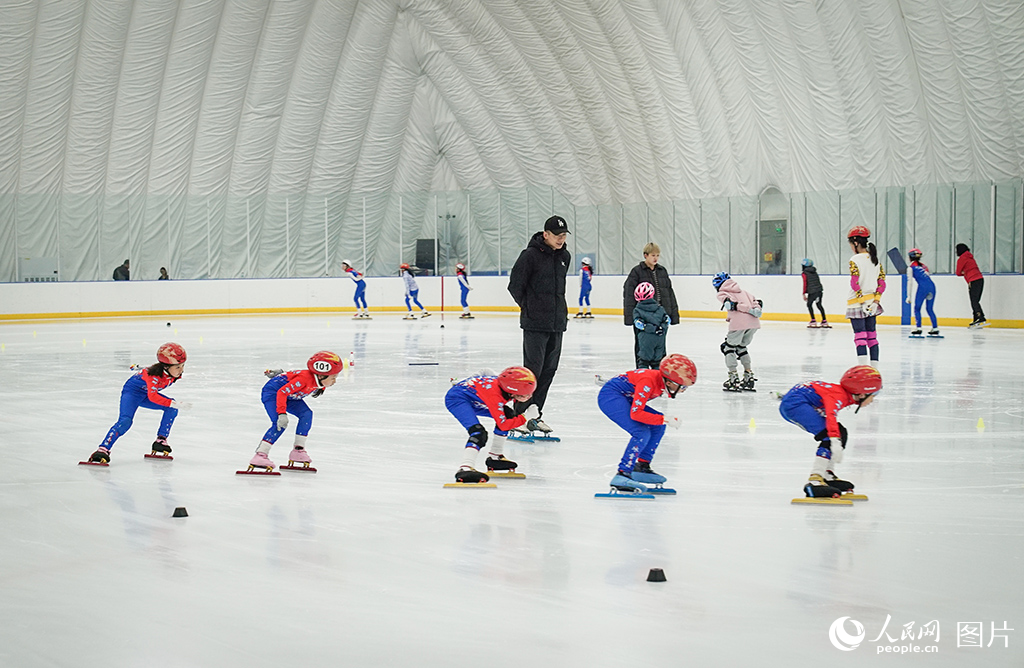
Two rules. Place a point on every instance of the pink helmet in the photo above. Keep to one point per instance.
(643, 291)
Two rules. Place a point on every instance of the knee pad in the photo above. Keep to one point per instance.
(741, 351)
(727, 349)
(824, 452)
(477, 436)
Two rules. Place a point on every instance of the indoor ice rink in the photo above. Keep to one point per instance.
(370, 560)
(226, 174)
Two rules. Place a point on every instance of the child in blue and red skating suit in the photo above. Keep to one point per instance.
(586, 274)
(925, 292)
(360, 296)
(813, 406)
(412, 291)
(283, 394)
(494, 397)
(464, 288)
(624, 400)
(143, 390)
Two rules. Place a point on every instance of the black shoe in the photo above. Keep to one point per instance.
(470, 476)
(160, 447)
(499, 463)
(101, 455)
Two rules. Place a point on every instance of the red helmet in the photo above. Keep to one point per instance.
(518, 380)
(859, 231)
(914, 254)
(460, 267)
(643, 291)
(325, 363)
(404, 265)
(679, 369)
(861, 379)
(171, 353)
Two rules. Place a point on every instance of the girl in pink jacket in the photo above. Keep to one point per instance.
(744, 320)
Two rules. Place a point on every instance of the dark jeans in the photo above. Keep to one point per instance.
(975, 289)
(541, 352)
(813, 297)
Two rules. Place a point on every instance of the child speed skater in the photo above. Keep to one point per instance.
(494, 397)
(412, 292)
(813, 407)
(863, 304)
(283, 394)
(813, 293)
(624, 400)
(143, 390)
(360, 282)
(744, 318)
(464, 288)
(651, 322)
(925, 293)
(586, 283)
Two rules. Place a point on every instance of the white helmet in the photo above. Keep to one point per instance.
(586, 261)
(348, 263)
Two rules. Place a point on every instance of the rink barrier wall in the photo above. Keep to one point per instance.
(1003, 298)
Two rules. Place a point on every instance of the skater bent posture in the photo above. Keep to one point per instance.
(925, 292)
(586, 274)
(360, 297)
(283, 394)
(624, 400)
(867, 283)
(494, 397)
(651, 321)
(744, 321)
(813, 293)
(143, 390)
(464, 288)
(813, 407)
(412, 291)
(967, 267)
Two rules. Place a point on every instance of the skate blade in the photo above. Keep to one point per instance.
(660, 490)
(822, 501)
(624, 495)
(470, 485)
(508, 475)
(252, 472)
(93, 464)
(854, 497)
(309, 469)
(155, 456)
(516, 436)
(550, 439)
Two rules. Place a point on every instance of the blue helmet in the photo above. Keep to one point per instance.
(808, 262)
(719, 278)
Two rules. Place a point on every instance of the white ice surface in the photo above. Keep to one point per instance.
(371, 562)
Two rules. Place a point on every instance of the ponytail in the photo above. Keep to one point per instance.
(874, 253)
(157, 370)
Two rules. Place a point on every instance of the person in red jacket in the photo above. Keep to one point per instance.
(968, 268)
(813, 407)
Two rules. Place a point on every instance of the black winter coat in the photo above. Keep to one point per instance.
(537, 283)
(663, 293)
(812, 284)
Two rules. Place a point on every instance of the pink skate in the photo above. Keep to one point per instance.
(299, 456)
(260, 461)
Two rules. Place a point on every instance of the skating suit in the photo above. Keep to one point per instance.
(585, 284)
(464, 288)
(412, 290)
(357, 278)
(624, 400)
(480, 396)
(284, 394)
(142, 390)
(925, 293)
(813, 406)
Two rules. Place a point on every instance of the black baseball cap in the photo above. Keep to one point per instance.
(556, 225)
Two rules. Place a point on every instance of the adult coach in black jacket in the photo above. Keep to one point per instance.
(648, 271)
(537, 283)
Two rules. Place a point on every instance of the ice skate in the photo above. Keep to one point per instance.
(466, 316)
(812, 324)
(916, 333)
(818, 491)
(580, 315)
(589, 315)
(469, 478)
(161, 450)
(409, 316)
(643, 474)
(732, 383)
(297, 457)
(623, 486)
(424, 314)
(845, 487)
(99, 458)
(500, 467)
(747, 384)
(540, 431)
(934, 333)
(260, 464)
(825, 325)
